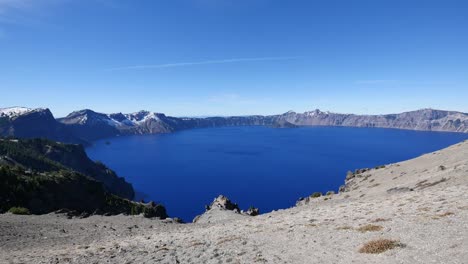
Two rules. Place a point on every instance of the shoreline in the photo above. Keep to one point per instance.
(291, 202)
(270, 127)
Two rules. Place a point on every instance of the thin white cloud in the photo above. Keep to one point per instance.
(375, 81)
(207, 62)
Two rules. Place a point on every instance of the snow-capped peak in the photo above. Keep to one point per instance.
(17, 111)
(14, 110)
(142, 116)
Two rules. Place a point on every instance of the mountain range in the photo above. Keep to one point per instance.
(85, 126)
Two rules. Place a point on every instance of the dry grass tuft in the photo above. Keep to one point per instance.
(196, 243)
(369, 228)
(425, 184)
(378, 246)
(227, 239)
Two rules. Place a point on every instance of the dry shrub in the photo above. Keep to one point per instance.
(196, 243)
(430, 184)
(19, 210)
(378, 246)
(379, 220)
(316, 194)
(344, 228)
(424, 209)
(227, 239)
(369, 228)
(445, 214)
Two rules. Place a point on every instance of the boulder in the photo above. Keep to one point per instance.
(252, 211)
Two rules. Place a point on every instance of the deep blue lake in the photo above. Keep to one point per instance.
(265, 167)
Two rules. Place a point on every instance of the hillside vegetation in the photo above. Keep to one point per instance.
(45, 176)
(43, 155)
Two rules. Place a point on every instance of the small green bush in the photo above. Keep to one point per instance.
(316, 194)
(19, 210)
(330, 193)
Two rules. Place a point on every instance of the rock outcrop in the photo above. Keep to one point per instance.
(223, 203)
(223, 209)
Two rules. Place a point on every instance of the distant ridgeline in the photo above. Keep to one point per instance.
(86, 126)
(45, 176)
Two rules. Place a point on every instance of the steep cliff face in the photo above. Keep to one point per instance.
(425, 119)
(34, 123)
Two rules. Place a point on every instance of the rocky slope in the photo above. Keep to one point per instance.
(44, 156)
(45, 176)
(414, 211)
(86, 125)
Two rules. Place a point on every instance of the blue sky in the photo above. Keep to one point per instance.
(227, 57)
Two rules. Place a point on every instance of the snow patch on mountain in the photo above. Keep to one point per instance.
(12, 112)
(142, 116)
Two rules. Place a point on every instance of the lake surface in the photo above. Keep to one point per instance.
(265, 167)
